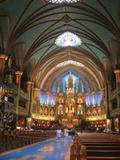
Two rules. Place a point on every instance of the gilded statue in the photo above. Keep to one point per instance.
(70, 105)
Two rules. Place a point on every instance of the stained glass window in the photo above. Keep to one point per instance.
(63, 1)
(68, 39)
(65, 63)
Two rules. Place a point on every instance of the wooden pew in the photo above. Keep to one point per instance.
(103, 158)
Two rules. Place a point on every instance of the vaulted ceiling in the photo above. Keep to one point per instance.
(29, 28)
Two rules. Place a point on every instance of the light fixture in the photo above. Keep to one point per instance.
(68, 39)
(62, 1)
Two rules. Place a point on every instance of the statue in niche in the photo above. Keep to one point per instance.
(80, 109)
(99, 111)
(52, 112)
(70, 105)
(88, 112)
(80, 99)
(60, 109)
(94, 111)
(41, 110)
(60, 99)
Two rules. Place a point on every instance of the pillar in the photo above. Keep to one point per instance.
(18, 82)
(119, 111)
(29, 122)
(18, 77)
(107, 68)
(36, 97)
(112, 124)
(107, 101)
(108, 125)
(30, 96)
(29, 86)
(36, 93)
(29, 104)
(3, 58)
(117, 75)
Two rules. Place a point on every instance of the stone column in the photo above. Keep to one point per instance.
(18, 77)
(18, 82)
(3, 58)
(36, 93)
(112, 124)
(36, 97)
(107, 102)
(117, 75)
(30, 96)
(107, 67)
(119, 110)
(108, 125)
(29, 104)
(114, 48)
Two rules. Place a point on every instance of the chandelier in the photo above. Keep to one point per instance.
(68, 39)
(62, 1)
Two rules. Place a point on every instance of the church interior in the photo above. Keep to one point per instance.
(59, 71)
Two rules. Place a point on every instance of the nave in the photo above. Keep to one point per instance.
(59, 70)
(52, 149)
(99, 146)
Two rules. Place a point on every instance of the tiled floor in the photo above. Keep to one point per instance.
(53, 149)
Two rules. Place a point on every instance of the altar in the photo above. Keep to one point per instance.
(70, 106)
(69, 123)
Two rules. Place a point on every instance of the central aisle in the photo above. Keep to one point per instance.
(53, 149)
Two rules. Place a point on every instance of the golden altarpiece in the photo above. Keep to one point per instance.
(70, 106)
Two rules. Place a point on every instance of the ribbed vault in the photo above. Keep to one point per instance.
(28, 35)
(48, 70)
